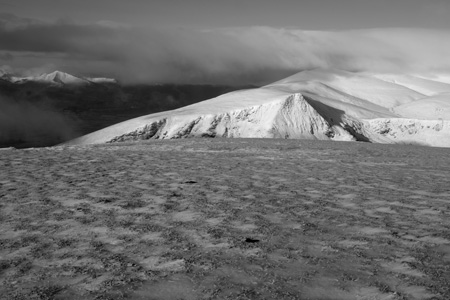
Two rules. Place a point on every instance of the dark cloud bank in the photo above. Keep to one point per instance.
(228, 55)
(25, 124)
(36, 115)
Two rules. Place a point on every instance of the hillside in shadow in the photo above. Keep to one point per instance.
(39, 115)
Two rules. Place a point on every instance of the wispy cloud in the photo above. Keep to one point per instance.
(226, 55)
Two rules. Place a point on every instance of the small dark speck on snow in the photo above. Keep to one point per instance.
(250, 240)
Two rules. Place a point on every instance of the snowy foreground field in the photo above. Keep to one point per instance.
(225, 219)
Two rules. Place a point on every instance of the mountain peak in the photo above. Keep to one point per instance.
(57, 73)
(59, 77)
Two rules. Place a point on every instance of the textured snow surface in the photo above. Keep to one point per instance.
(315, 104)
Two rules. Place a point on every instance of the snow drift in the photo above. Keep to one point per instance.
(317, 104)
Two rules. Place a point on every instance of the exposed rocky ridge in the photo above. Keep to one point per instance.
(293, 117)
(410, 131)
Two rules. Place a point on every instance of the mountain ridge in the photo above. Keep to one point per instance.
(54, 78)
(318, 104)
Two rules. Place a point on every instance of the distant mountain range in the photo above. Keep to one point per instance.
(54, 78)
(52, 108)
(316, 104)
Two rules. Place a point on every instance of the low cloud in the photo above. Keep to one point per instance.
(24, 123)
(227, 55)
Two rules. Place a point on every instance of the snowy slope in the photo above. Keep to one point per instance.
(424, 86)
(430, 108)
(316, 104)
(440, 77)
(410, 131)
(374, 90)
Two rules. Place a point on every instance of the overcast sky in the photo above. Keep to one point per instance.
(233, 41)
(304, 14)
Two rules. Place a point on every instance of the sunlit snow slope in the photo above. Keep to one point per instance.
(316, 104)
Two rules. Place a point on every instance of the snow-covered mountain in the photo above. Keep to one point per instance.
(55, 78)
(315, 104)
